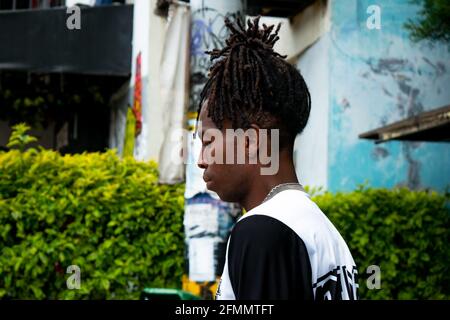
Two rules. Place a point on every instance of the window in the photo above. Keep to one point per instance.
(30, 4)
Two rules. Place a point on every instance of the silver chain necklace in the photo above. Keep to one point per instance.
(281, 187)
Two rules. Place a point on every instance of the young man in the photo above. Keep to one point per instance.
(284, 247)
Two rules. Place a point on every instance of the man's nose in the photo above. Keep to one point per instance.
(201, 163)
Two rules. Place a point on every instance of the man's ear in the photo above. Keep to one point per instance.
(252, 143)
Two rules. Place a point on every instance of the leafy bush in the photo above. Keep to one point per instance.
(405, 233)
(110, 217)
(104, 214)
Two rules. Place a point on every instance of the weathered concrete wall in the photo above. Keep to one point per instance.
(311, 147)
(375, 77)
(303, 30)
(378, 76)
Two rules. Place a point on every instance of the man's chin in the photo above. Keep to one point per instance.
(209, 184)
(212, 187)
(226, 197)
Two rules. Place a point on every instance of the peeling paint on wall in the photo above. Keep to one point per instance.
(378, 77)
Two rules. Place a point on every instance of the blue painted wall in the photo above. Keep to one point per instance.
(378, 77)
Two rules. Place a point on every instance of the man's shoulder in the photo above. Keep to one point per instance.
(291, 208)
(289, 201)
(263, 231)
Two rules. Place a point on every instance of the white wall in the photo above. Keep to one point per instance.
(148, 37)
(298, 33)
(311, 147)
(304, 39)
(70, 3)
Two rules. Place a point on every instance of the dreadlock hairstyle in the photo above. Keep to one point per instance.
(251, 83)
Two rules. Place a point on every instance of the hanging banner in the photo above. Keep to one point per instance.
(137, 101)
(174, 94)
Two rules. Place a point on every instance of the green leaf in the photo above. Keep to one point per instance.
(105, 284)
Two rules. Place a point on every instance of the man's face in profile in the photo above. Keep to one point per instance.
(223, 174)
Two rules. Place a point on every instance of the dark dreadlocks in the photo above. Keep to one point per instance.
(251, 83)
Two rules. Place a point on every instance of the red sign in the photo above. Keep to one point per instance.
(137, 101)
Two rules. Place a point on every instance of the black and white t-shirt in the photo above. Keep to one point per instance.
(286, 248)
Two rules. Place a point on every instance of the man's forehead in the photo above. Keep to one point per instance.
(205, 122)
(202, 129)
(204, 110)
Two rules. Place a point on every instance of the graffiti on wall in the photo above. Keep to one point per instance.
(207, 32)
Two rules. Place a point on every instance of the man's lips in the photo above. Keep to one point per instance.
(206, 178)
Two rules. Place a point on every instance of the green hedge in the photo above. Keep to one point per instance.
(405, 233)
(111, 218)
(106, 215)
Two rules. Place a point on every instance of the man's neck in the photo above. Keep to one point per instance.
(262, 185)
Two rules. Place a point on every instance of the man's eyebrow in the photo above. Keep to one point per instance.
(198, 133)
